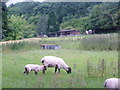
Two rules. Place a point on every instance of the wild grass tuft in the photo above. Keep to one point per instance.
(100, 42)
(100, 69)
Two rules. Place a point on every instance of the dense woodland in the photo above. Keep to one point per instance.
(29, 19)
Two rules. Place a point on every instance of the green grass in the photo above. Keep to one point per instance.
(93, 58)
(99, 42)
(14, 62)
(0, 68)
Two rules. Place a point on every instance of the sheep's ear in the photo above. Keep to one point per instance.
(43, 62)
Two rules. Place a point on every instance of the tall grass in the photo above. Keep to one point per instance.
(23, 45)
(65, 43)
(100, 42)
(88, 42)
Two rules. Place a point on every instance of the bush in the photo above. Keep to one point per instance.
(18, 37)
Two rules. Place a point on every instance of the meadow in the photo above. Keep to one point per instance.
(93, 58)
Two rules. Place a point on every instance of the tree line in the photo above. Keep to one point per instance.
(29, 19)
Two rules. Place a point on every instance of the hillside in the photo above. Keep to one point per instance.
(49, 17)
(63, 10)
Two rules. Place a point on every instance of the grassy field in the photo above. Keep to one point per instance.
(89, 67)
(0, 67)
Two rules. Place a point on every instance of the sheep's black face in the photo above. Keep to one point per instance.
(45, 68)
(69, 70)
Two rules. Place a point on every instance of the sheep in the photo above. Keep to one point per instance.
(58, 63)
(112, 83)
(87, 32)
(34, 67)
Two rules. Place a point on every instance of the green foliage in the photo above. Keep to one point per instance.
(101, 17)
(5, 30)
(33, 19)
(76, 23)
(68, 27)
(0, 21)
(14, 10)
(20, 27)
(42, 25)
(62, 9)
(53, 25)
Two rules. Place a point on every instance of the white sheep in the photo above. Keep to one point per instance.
(112, 83)
(87, 32)
(34, 67)
(58, 63)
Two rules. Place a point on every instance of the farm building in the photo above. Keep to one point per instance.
(69, 32)
(42, 36)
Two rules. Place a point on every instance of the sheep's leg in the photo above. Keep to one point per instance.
(43, 71)
(36, 73)
(56, 68)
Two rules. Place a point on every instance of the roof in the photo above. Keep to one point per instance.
(68, 30)
(65, 30)
(49, 45)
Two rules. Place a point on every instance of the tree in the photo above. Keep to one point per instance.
(103, 17)
(42, 25)
(110, 9)
(20, 28)
(64, 11)
(5, 30)
(53, 25)
(34, 19)
(0, 21)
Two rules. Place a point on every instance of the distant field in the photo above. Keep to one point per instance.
(16, 56)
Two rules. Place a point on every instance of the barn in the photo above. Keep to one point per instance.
(69, 32)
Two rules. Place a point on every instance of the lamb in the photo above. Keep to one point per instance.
(34, 67)
(112, 83)
(58, 63)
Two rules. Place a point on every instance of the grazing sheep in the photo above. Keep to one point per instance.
(58, 63)
(112, 83)
(87, 32)
(34, 67)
